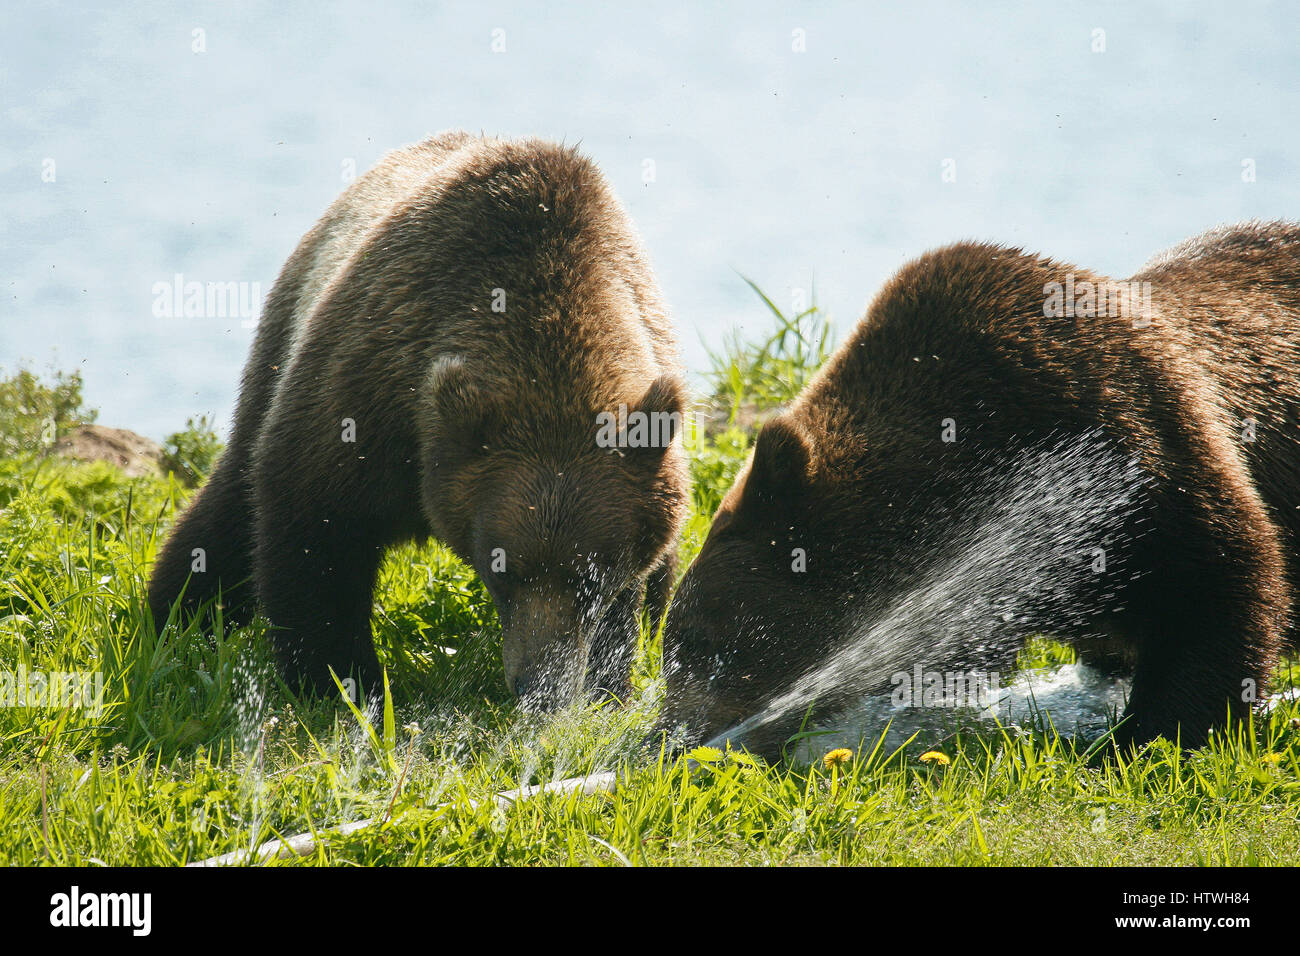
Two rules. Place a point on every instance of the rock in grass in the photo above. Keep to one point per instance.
(134, 454)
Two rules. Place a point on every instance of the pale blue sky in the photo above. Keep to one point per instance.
(793, 168)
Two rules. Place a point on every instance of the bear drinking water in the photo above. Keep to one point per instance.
(434, 360)
(1008, 445)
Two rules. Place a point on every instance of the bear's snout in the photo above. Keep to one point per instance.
(544, 651)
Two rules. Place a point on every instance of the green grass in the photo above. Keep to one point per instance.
(200, 750)
(769, 372)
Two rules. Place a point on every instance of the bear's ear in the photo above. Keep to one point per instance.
(781, 461)
(465, 412)
(664, 405)
(641, 433)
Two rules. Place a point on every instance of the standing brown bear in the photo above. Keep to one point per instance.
(1009, 445)
(436, 359)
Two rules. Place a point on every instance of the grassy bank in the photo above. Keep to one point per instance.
(199, 750)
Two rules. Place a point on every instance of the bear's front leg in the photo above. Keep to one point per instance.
(316, 577)
(1203, 667)
(208, 551)
(612, 649)
(659, 589)
(1216, 608)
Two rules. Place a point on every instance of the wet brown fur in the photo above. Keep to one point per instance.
(473, 426)
(1203, 601)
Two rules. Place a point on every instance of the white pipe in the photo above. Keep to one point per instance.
(305, 843)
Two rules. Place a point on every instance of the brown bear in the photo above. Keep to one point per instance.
(1008, 445)
(436, 359)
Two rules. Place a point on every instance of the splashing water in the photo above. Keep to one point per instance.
(540, 745)
(1074, 699)
(1023, 552)
(248, 701)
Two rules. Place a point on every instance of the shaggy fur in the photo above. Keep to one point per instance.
(471, 423)
(1202, 392)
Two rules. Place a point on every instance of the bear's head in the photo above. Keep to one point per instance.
(562, 524)
(766, 600)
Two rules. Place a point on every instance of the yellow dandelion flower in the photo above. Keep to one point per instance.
(933, 756)
(1272, 758)
(837, 757)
